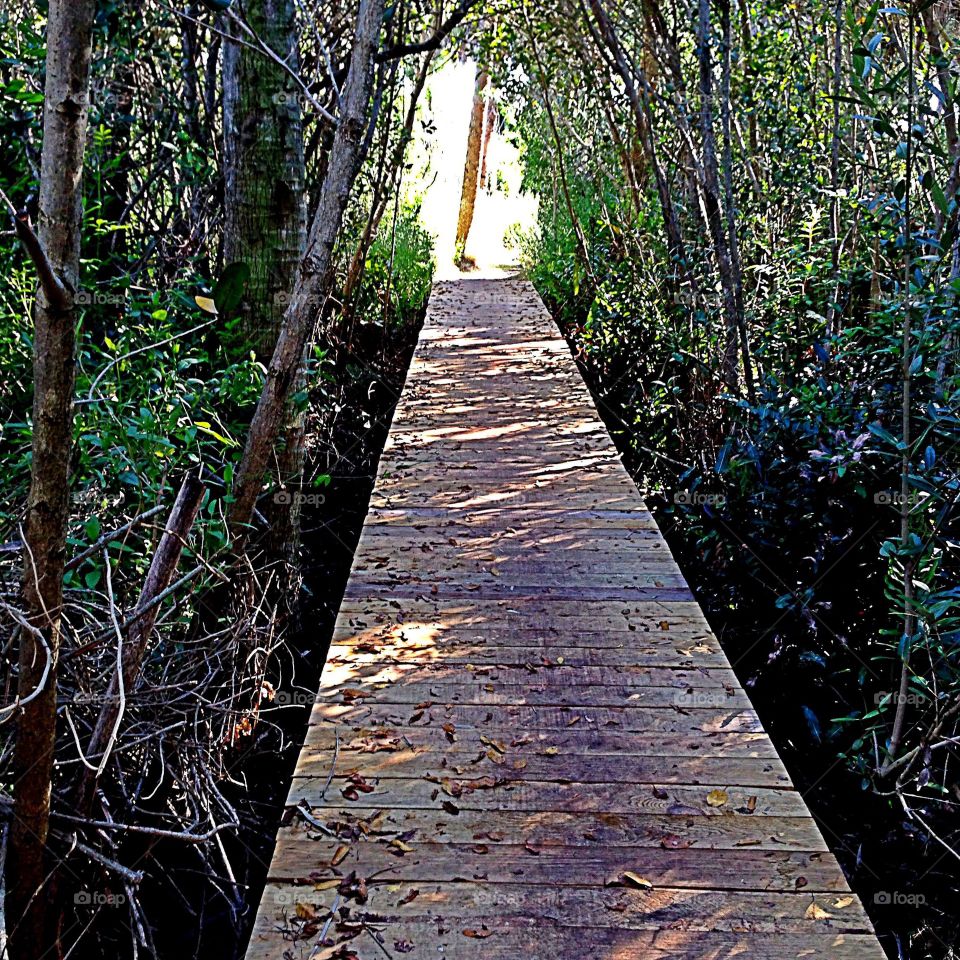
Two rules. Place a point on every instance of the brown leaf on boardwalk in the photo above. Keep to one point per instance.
(409, 898)
(306, 912)
(399, 847)
(664, 625)
(352, 693)
(480, 934)
(451, 807)
(450, 731)
(717, 798)
(531, 849)
(816, 912)
(340, 855)
(327, 884)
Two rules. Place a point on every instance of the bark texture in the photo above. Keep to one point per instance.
(264, 193)
(314, 273)
(69, 30)
(265, 210)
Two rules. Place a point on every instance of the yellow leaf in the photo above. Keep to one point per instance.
(340, 855)
(306, 912)
(551, 751)
(816, 912)
(206, 305)
(401, 846)
(717, 798)
(842, 902)
(327, 884)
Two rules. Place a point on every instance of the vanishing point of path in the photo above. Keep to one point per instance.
(527, 742)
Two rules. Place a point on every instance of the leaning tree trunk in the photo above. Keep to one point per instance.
(471, 168)
(314, 273)
(27, 905)
(265, 209)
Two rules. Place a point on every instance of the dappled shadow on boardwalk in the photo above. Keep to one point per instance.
(528, 743)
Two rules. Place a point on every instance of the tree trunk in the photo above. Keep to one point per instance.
(711, 197)
(264, 192)
(69, 31)
(471, 168)
(315, 271)
(265, 213)
(729, 202)
(489, 122)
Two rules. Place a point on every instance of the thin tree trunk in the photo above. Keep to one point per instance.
(69, 32)
(729, 202)
(471, 167)
(711, 197)
(489, 123)
(645, 127)
(906, 435)
(312, 283)
(833, 314)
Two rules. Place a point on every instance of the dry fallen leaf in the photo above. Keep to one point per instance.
(306, 912)
(480, 934)
(816, 912)
(409, 898)
(551, 751)
(340, 855)
(717, 798)
(842, 902)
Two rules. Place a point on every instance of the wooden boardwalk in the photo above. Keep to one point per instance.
(528, 743)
